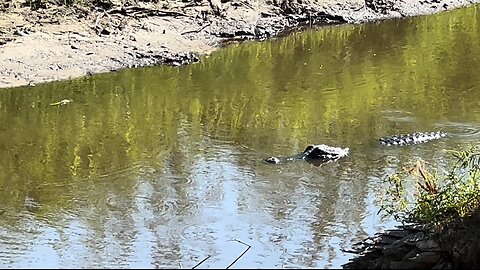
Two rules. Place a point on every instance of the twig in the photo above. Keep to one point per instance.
(201, 262)
(97, 23)
(351, 251)
(192, 4)
(198, 30)
(215, 8)
(244, 3)
(134, 10)
(245, 251)
(111, 20)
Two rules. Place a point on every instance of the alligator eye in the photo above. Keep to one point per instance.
(310, 147)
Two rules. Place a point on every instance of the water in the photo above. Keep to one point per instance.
(162, 167)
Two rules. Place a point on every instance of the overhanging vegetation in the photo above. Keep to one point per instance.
(435, 200)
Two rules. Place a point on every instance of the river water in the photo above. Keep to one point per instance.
(162, 167)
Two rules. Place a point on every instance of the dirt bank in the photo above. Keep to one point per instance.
(56, 42)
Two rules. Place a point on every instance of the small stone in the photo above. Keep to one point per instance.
(426, 258)
(428, 245)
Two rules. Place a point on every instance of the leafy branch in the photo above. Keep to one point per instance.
(435, 200)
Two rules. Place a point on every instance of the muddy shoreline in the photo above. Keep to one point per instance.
(56, 42)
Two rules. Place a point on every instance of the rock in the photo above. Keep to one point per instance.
(428, 245)
(413, 252)
(426, 259)
(396, 251)
(397, 233)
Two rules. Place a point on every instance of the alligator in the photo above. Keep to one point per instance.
(314, 153)
(322, 153)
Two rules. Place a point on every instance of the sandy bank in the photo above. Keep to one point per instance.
(56, 43)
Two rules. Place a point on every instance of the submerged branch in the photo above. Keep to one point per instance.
(201, 262)
(243, 253)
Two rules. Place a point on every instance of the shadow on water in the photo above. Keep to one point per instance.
(162, 167)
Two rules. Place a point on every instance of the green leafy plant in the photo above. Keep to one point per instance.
(417, 196)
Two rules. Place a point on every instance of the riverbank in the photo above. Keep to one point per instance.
(414, 247)
(49, 42)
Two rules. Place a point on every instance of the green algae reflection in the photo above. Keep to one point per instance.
(325, 86)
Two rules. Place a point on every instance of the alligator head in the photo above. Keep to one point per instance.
(325, 152)
(315, 154)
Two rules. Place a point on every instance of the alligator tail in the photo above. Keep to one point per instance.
(414, 138)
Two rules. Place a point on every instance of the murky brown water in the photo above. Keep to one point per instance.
(162, 167)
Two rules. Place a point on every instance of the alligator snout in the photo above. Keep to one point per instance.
(273, 160)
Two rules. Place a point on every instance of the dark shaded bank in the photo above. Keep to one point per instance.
(456, 246)
(444, 211)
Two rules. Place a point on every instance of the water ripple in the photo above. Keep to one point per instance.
(465, 131)
(167, 209)
(398, 116)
